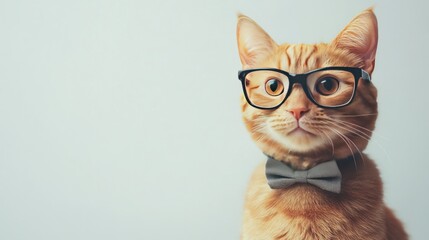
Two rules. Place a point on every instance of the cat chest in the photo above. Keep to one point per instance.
(302, 215)
(310, 228)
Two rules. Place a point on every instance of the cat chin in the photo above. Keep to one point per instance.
(298, 140)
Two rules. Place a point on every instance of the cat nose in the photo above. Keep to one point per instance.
(298, 112)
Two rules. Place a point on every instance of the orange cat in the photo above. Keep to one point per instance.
(303, 111)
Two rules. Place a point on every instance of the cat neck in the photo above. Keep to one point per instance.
(299, 161)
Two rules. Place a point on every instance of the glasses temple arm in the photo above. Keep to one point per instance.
(366, 76)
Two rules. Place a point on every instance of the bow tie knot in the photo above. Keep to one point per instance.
(326, 175)
(300, 176)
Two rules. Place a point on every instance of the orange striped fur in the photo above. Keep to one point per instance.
(303, 211)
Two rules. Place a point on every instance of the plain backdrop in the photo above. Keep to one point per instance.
(121, 119)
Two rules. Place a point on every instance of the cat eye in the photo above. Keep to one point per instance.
(274, 87)
(330, 87)
(327, 85)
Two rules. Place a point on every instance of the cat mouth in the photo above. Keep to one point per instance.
(299, 131)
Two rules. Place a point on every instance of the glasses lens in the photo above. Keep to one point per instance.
(331, 88)
(266, 88)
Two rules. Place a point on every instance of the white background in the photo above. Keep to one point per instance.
(121, 119)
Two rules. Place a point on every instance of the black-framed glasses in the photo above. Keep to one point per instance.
(329, 87)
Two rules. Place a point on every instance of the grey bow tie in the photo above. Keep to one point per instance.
(326, 175)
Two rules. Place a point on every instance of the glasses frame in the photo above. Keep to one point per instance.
(301, 79)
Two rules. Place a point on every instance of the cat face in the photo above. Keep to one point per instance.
(298, 131)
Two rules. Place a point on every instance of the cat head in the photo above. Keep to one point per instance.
(298, 131)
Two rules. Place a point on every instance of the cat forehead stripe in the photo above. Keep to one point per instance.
(299, 58)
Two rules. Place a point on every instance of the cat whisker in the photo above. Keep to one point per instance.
(374, 134)
(348, 141)
(355, 131)
(330, 140)
(373, 140)
(350, 129)
(366, 137)
(354, 115)
(342, 121)
(351, 141)
(350, 123)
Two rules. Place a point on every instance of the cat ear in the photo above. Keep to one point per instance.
(360, 38)
(253, 42)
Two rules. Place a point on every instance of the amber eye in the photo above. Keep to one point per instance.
(327, 86)
(274, 87)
